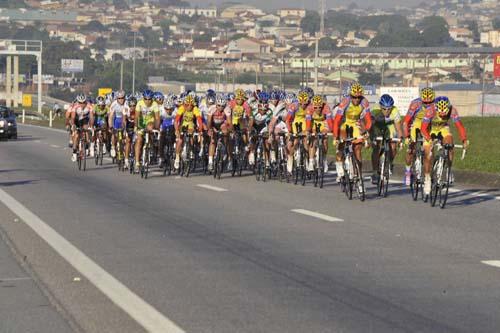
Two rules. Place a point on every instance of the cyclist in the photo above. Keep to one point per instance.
(82, 117)
(318, 114)
(278, 109)
(295, 120)
(188, 117)
(167, 131)
(386, 118)
(129, 119)
(413, 122)
(240, 112)
(101, 112)
(436, 124)
(116, 111)
(354, 112)
(147, 119)
(258, 123)
(219, 118)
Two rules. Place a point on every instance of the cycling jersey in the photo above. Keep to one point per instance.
(296, 116)
(146, 114)
(260, 121)
(382, 123)
(101, 116)
(278, 110)
(413, 119)
(218, 117)
(130, 119)
(440, 125)
(189, 119)
(82, 113)
(239, 112)
(348, 114)
(167, 121)
(323, 118)
(118, 110)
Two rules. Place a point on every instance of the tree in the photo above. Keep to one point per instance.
(430, 21)
(436, 35)
(327, 44)
(238, 36)
(496, 23)
(370, 78)
(120, 4)
(94, 26)
(310, 22)
(457, 77)
(100, 44)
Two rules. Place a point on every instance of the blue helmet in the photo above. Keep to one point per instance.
(211, 99)
(147, 94)
(263, 97)
(210, 92)
(158, 96)
(386, 101)
(274, 95)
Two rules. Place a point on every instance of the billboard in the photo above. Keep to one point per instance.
(104, 91)
(72, 65)
(496, 65)
(402, 96)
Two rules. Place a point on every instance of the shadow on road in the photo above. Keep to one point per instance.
(18, 182)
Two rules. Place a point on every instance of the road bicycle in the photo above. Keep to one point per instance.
(220, 154)
(417, 171)
(319, 169)
(385, 164)
(441, 171)
(353, 176)
(148, 152)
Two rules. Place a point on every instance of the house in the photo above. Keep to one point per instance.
(462, 35)
(291, 12)
(205, 12)
(234, 11)
(491, 37)
(248, 45)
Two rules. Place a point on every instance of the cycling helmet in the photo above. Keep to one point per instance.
(317, 100)
(443, 105)
(81, 98)
(356, 90)
(386, 101)
(220, 100)
(303, 97)
(230, 96)
(169, 103)
(158, 96)
(274, 96)
(309, 92)
(427, 95)
(239, 94)
(211, 99)
(210, 92)
(120, 94)
(132, 101)
(249, 94)
(147, 94)
(189, 100)
(263, 97)
(289, 98)
(101, 101)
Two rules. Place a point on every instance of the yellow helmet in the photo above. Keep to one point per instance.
(317, 100)
(189, 100)
(427, 95)
(239, 94)
(357, 90)
(303, 97)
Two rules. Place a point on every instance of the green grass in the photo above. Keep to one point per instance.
(483, 154)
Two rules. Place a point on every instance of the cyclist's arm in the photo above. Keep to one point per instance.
(91, 117)
(458, 124)
(111, 114)
(425, 125)
(337, 121)
(410, 114)
(156, 114)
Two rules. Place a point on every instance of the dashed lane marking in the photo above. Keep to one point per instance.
(213, 188)
(494, 263)
(317, 215)
(145, 315)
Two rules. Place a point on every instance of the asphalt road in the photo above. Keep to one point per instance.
(239, 256)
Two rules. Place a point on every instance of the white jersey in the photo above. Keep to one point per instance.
(119, 110)
(278, 110)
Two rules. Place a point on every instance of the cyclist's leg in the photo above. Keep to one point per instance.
(138, 147)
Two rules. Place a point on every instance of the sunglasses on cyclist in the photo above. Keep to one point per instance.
(355, 97)
(386, 109)
(147, 99)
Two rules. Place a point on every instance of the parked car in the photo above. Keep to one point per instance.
(8, 124)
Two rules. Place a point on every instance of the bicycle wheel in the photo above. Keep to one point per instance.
(360, 184)
(321, 167)
(414, 181)
(220, 164)
(435, 183)
(445, 184)
(96, 152)
(79, 157)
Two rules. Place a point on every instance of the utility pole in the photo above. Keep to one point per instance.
(382, 75)
(321, 31)
(483, 88)
(283, 68)
(133, 67)
(121, 75)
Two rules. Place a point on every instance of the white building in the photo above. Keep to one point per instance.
(206, 12)
(492, 37)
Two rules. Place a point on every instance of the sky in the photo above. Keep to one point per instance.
(310, 4)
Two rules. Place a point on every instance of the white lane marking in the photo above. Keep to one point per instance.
(55, 146)
(317, 215)
(14, 279)
(147, 316)
(494, 263)
(213, 188)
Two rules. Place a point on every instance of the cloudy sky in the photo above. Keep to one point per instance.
(310, 4)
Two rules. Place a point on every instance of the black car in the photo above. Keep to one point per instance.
(8, 125)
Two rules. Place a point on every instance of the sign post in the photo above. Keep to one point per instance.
(402, 96)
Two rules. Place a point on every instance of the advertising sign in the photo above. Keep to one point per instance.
(496, 66)
(402, 96)
(104, 91)
(27, 100)
(72, 65)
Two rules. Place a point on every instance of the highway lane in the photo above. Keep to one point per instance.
(242, 260)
